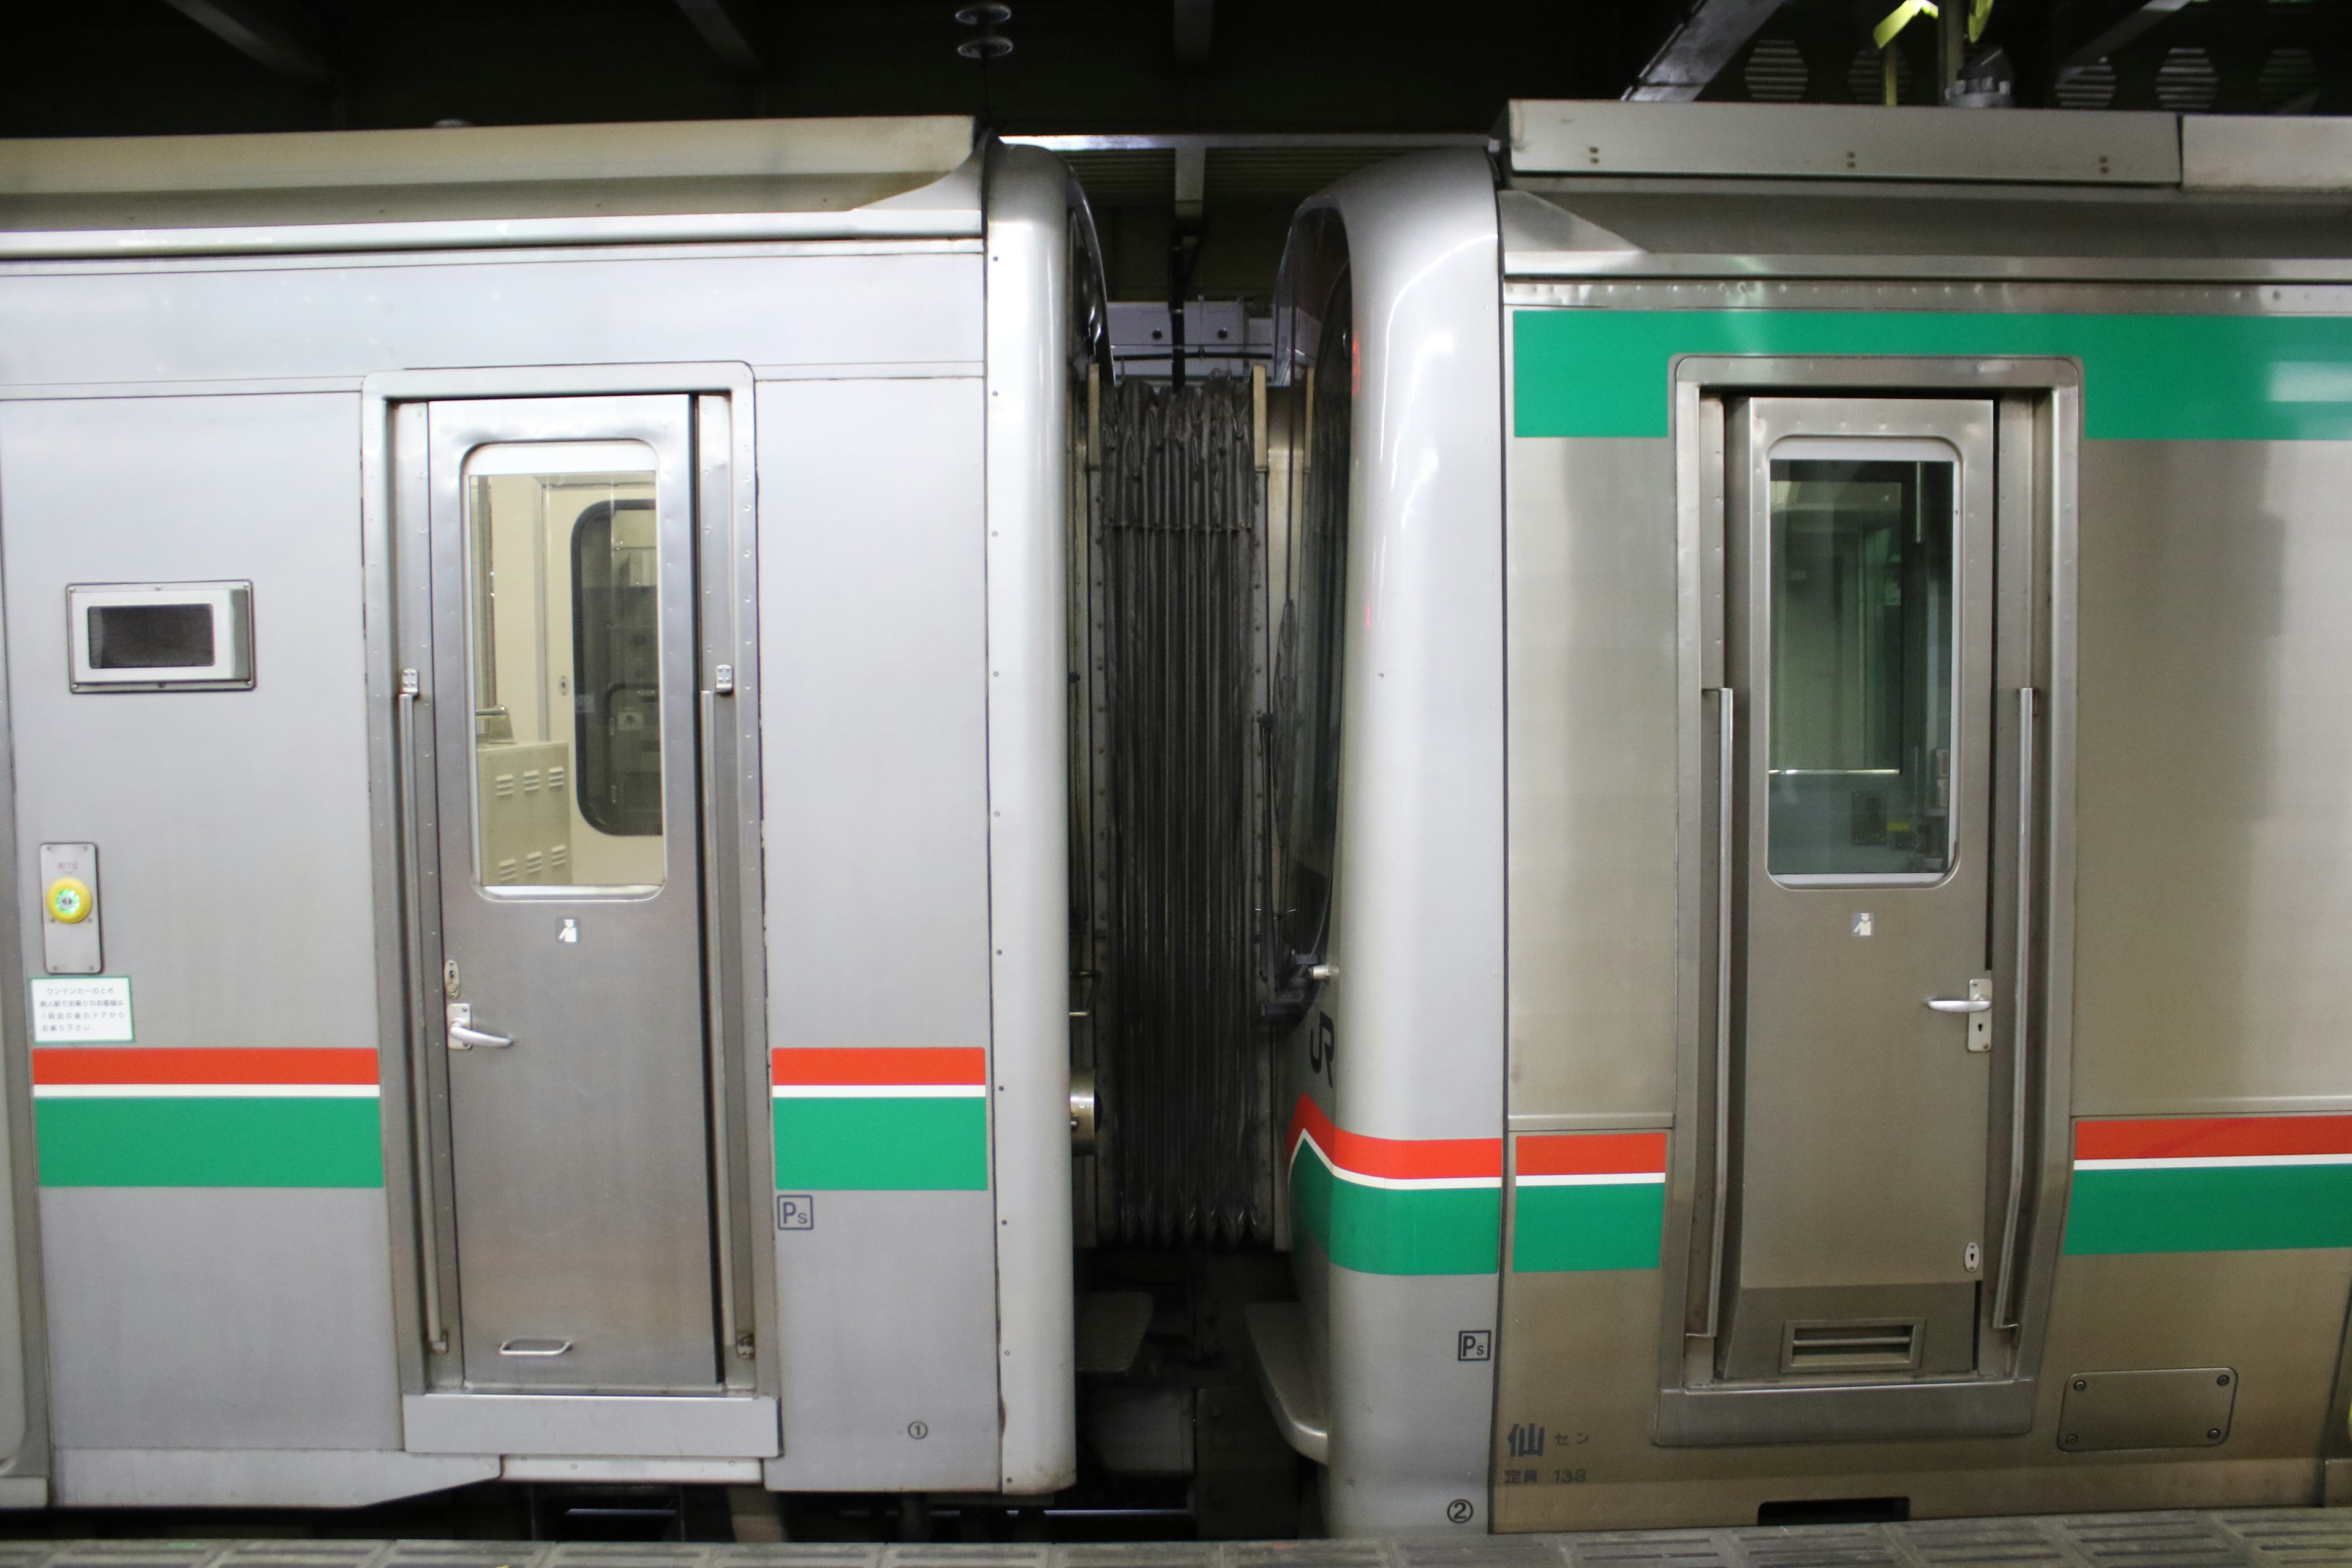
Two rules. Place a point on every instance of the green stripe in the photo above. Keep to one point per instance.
(209, 1143)
(2228, 1208)
(1614, 1224)
(907, 1144)
(2145, 377)
(1391, 1230)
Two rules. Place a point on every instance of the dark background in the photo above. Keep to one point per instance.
(1291, 67)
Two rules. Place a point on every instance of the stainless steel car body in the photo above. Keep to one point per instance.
(2144, 325)
(243, 1269)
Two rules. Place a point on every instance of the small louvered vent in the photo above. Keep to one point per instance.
(2090, 87)
(1776, 73)
(1851, 1347)
(1865, 79)
(2289, 82)
(2187, 82)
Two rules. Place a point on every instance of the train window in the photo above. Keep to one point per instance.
(567, 698)
(1862, 649)
(616, 665)
(1314, 641)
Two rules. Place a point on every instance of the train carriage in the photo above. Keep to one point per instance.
(597, 716)
(1837, 833)
(536, 687)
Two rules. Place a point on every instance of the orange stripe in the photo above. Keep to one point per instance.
(884, 1065)
(177, 1065)
(2212, 1137)
(1591, 1153)
(1399, 1159)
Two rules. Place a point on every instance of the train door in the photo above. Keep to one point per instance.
(1859, 630)
(1849, 1270)
(565, 788)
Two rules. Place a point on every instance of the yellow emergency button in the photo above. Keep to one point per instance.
(70, 900)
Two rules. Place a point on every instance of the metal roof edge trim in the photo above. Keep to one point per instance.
(295, 239)
(2265, 153)
(1843, 141)
(1252, 141)
(478, 154)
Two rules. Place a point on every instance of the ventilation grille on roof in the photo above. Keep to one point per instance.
(2186, 81)
(2088, 87)
(2289, 81)
(1865, 79)
(1776, 73)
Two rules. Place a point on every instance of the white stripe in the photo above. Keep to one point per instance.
(1397, 1184)
(879, 1090)
(206, 1091)
(2223, 1162)
(1595, 1179)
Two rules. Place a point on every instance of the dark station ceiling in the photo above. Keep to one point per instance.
(1317, 72)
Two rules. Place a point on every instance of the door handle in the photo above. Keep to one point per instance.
(464, 1037)
(1726, 746)
(535, 1347)
(436, 1335)
(1977, 1006)
(2004, 1310)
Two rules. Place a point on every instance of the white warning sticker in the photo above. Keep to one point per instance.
(81, 1010)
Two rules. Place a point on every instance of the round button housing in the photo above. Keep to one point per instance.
(70, 900)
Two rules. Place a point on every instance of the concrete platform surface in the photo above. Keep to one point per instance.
(2252, 1538)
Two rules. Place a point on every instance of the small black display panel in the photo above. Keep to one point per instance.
(151, 636)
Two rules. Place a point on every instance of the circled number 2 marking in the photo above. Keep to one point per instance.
(1460, 1511)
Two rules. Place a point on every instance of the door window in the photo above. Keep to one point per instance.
(1862, 646)
(565, 629)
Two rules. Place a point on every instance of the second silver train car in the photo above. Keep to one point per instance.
(1817, 634)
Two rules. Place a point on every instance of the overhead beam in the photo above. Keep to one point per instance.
(2110, 32)
(276, 39)
(1695, 52)
(726, 25)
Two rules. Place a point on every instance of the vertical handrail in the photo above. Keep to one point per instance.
(420, 1111)
(2004, 1310)
(1726, 709)
(722, 1152)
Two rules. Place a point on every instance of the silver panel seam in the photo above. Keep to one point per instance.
(1028, 219)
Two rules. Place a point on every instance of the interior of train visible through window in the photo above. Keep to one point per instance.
(1861, 663)
(567, 692)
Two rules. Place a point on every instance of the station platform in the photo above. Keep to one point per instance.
(2252, 1538)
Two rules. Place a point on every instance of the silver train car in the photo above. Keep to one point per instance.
(1818, 829)
(536, 703)
(1788, 761)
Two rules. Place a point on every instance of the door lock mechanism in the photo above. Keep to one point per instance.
(1977, 1006)
(464, 1037)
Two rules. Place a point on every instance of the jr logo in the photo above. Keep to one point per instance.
(1323, 1051)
